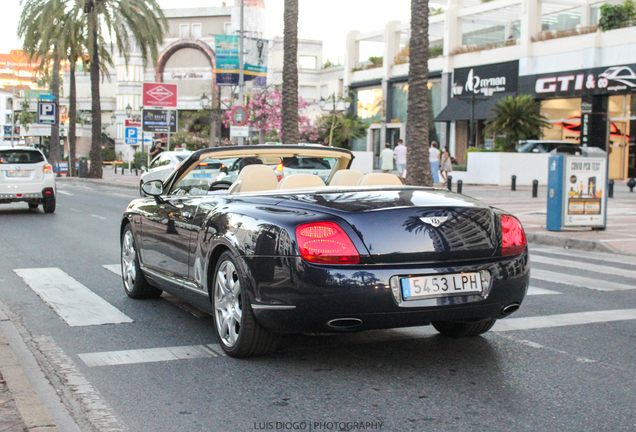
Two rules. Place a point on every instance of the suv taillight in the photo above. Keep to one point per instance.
(326, 243)
(47, 168)
(513, 239)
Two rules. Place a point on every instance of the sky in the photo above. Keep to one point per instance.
(326, 20)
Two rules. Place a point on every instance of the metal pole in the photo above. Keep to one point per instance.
(13, 110)
(168, 122)
(241, 66)
(220, 119)
(472, 119)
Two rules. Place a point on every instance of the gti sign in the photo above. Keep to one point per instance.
(597, 81)
(47, 113)
(160, 95)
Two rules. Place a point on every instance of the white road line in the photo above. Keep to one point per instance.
(64, 192)
(115, 268)
(570, 319)
(150, 355)
(99, 217)
(579, 281)
(618, 240)
(72, 301)
(583, 266)
(623, 259)
(123, 195)
(541, 291)
(84, 187)
(75, 210)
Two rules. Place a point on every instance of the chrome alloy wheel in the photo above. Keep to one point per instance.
(128, 261)
(227, 303)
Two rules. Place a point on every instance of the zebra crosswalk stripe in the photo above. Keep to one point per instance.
(578, 281)
(72, 301)
(150, 355)
(598, 256)
(583, 266)
(569, 319)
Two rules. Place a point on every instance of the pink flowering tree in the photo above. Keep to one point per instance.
(265, 115)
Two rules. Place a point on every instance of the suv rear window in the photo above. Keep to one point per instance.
(20, 156)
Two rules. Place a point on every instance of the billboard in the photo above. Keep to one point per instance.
(160, 95)
(227, 60)
(156, 120)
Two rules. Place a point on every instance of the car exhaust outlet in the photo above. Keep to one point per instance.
(344, 323)
(508, 309)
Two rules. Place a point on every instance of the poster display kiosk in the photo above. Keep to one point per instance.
(577, 190)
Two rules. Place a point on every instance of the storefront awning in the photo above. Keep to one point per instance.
(459, 109)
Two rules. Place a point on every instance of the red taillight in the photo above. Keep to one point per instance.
(512, 236)
(203, 164)
(326, 243)
(47, 168)
(279, 171)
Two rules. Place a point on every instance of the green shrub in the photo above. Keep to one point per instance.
(109, 155)
(617, 16)
(140, 160)
(459, 167)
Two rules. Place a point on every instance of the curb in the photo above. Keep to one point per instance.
(30, 407)
(103, 182)
(586, 245)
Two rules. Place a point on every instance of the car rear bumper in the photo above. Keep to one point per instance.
(290, 295)
(10, 194)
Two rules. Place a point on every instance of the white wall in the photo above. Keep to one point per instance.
(498, 168)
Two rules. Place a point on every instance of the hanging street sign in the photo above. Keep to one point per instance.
(47, 113)
(160, 95)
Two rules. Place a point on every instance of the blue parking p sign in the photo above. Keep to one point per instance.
(131, 135)
(47, 113)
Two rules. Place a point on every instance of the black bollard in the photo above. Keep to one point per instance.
(513, 186)
(460, 185)
(122, 169)
(136, 171)
(610, 189)
(115, 168)
(449, 183)
(631, 183)
(535, 188)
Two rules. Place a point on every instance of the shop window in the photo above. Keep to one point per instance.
(564, 116)
(564, 20)
(369, 105)
(307, 62)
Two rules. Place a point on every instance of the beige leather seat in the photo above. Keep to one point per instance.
(380, 179)
(301, 181)
(255, 178)
(346, 177)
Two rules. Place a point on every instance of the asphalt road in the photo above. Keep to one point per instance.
(564, 362)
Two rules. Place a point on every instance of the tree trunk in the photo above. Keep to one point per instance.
(54, 146)
(418, 168)
(290, 74)
(95, 170)
(72, 117)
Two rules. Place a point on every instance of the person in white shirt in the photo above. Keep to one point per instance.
(400, 158)
(386, 158)
(433, 157)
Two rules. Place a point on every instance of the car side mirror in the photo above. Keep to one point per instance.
(153, 188)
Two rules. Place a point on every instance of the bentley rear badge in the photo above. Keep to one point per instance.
(435, 221)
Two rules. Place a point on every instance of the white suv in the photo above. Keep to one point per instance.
(26, 176)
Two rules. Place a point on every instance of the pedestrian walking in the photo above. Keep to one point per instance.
(433, 157)
(446, 164)
(400, 158)
(386, 158)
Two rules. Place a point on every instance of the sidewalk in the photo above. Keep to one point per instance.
(619, 237)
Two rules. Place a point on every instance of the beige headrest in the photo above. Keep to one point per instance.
(301, 181)
(255, 178)
(380, 179)
(346, 177)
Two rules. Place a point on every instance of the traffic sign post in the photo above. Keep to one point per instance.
(131, 136)
(47, 113)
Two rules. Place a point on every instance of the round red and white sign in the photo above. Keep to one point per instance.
(239, 116)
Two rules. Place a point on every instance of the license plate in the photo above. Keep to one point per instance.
(18, 173)
(423, 287)
(202, 176)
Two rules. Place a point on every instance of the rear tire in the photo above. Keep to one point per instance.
(33, 205)
(457, 329)
(240, 335)
(49, 205)
(135, 282)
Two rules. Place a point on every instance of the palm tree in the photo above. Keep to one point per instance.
(38, 25)
(290, 74)
(417, 164)
(518, 118)
(141, 21)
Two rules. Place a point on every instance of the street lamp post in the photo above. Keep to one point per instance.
(207, 104)
(487, 93)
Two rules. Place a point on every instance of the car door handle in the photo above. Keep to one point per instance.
(187, 216)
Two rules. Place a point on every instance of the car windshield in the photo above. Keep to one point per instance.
(181, 158)
(20, 156)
